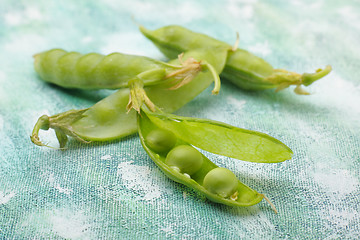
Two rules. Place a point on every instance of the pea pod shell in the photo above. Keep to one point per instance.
(242, 68)
(223, 139)
(246, 195)
(96, 71)
(109, 119)
(173, 39)
(240, 64)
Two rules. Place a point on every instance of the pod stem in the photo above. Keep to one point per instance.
(217, 81)
(138, 97)
(186, 73)
(189, 70)
(43, 123)
(61, 123)
(309, 78)
(283, 79)
(271, 204)
(236, 44)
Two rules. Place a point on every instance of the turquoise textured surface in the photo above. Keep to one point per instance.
(114, 190)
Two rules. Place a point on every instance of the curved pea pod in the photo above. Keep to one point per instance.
(109, 118)
(96, 71)
(243, 68)
(242, 195)
(223, 139)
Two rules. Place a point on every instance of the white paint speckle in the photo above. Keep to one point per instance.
(168, 230)
(66, 222)
(13, 18)
(33, 13)
(338, 181)
(2, 76)
(139, 178)
(5, 197)
(186, 11)
(53, 182)
(106, 157)
(2, 90)
(1, 123)
(348, 12)
(122, 42)
(345, 100)
(87, 39)
(257, 223)
(261, 49)
(341, 218)
(69, 224)
(241, 9)
(350, 16)
(23, 17)
(303, 4)
(238, 104)
(26, 44)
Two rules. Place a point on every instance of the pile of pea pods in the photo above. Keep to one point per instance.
(149, 90)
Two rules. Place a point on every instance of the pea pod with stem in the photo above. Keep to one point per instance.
(110, 118)
(172, 152)
(113, 71)
(242, 68)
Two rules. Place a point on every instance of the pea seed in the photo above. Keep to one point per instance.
(221, 181)
(186, 158)
(160, 140)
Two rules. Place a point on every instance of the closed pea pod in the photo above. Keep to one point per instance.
(96, 71)
(109, 119)
(242, 68)
(201, 174)
(93, 70)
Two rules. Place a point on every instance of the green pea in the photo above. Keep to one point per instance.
(221, 181)
(160, 140)
(186, 158)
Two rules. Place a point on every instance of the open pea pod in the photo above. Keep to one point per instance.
(109, 118)
(223, 139)
(242, 68)
(239, 195)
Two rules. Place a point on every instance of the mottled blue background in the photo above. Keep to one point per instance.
(113, 190)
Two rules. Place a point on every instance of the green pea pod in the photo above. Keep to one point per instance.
(242, 195)
(223, 139)
(242, 68)
(96, 71)
(109, 118)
